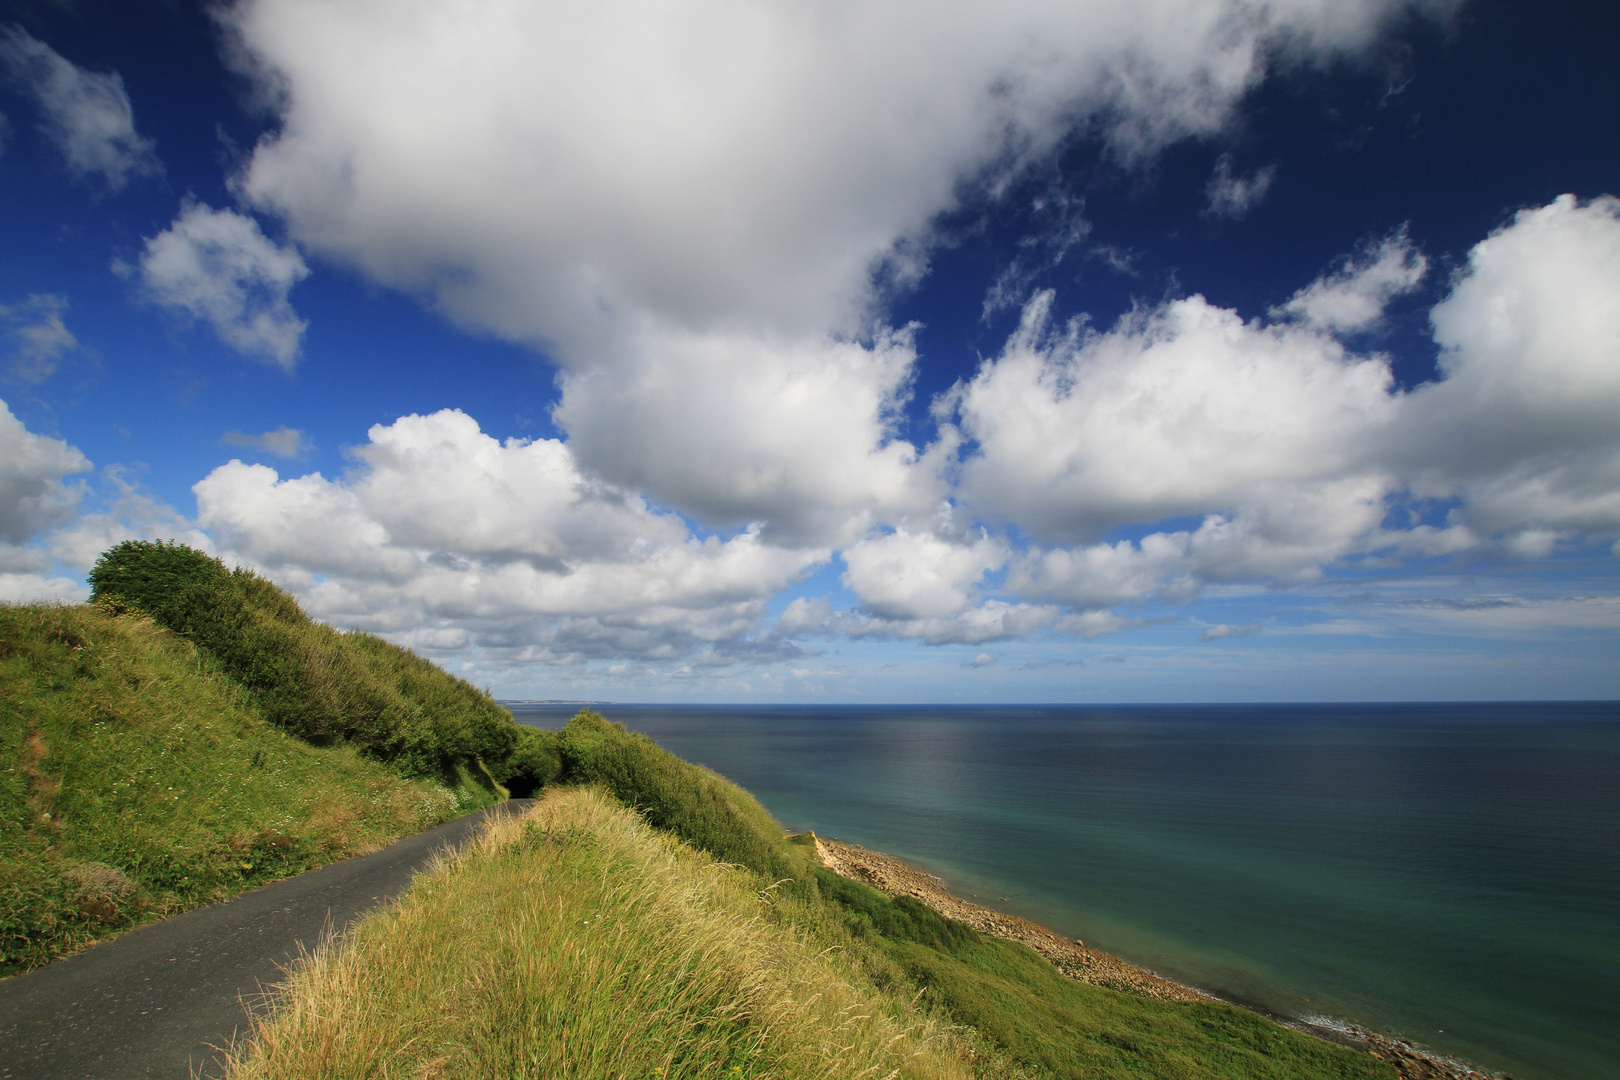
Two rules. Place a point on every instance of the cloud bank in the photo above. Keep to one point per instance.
(453, 538)
(701, 218)
(698, 211)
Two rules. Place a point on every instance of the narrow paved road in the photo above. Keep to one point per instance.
(158, 1001)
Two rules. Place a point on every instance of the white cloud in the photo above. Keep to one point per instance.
(906, 575)
(440, 526)
(35, 497)
(1230, 196)
(1181, 410)
(41, 589)
(1514, 615)
(123, 512)
(803, 615)
(1222, 630)
(282, 442)
(527, 165)
(1268, 450)
(1286, 447)
(689, 207)
(993, 620)
(39, 339)
(1355, 294)
(87, 115)
(216, 265)
(1522, 427)
(982, 660)
(737, 427)
(34, 494)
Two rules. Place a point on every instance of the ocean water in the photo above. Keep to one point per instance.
(1448, 873)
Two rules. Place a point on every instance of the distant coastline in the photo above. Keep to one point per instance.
(546, 701)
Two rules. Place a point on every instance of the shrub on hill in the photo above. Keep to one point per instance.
(702, 808)
(535, 761)
(314, 682)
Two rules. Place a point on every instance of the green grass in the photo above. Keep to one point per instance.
(581, 943)
(137, 780)
(1013, 996)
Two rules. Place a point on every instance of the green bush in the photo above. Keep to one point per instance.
(535, 761)
(314, 682)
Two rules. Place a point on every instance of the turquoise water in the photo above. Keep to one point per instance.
(1450, 873)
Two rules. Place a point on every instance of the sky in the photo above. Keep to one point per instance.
(837, 350)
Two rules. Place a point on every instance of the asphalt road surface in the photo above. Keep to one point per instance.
(159, 1001)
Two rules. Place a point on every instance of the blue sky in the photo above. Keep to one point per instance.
(1182, 350)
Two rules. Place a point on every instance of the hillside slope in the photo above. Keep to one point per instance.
(192, 733)
(138, 781)
(581, 944)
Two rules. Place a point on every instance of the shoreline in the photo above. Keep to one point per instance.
(1071, 957)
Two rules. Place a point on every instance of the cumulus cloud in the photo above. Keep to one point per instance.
(37, 338)
(906, 575)
(1288, 450)
(1185, 409)
(737, 427)
(440, 526)
(216, 265)
(120, 511)
(696, 214)
(1265, 450)
(711, 198)
(86, 115)
(283, 442)
(1520, 429)
(1354, 295)
(35, 496)
(1230, 196)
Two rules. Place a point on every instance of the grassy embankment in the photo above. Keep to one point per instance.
(585, 943)
(192, 734)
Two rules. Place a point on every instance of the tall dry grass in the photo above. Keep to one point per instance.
(578, 942)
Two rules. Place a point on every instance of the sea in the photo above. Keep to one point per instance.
(1445, 873)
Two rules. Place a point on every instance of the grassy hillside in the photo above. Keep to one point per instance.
(564, 949)
(193, 733)
(138, 780)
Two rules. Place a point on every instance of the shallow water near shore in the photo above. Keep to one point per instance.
(1448, 873)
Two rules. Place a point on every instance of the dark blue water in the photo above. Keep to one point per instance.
(1450, 873)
